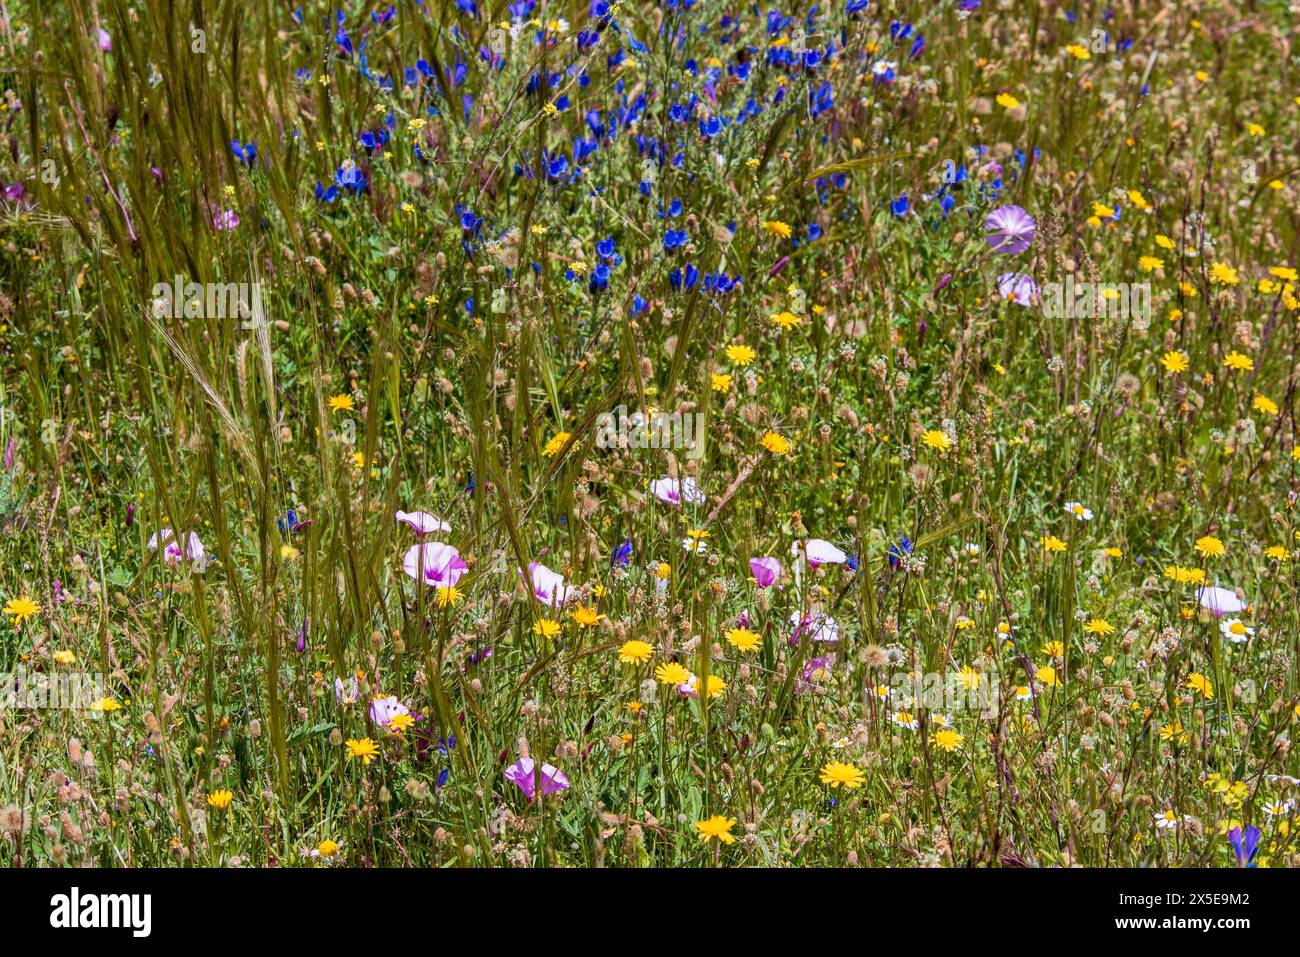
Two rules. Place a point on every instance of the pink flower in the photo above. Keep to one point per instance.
(765, 570)
(673, 491)
(548, 586)
(523, 774)
(384, 710)
(818, 625)
(346, 693)
(813, 669)
(436, 564)
(224, 219)
(821, 552)
(422, 523)
(189, 548)
(1220, 601)
(1018, 288)
(1010, 230)
(105, 41)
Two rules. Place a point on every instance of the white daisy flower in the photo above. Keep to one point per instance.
(1236, 630)
(1079, 511)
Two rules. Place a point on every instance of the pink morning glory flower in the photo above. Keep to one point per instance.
(1018, 288)
(765, 570)
(523, 773)
(1010, 230)
(436, 564)
(821, 552)
(422, 523)
(384, 710)
(548, 586)
(674, 492)
(189, 548)
(1220, 601)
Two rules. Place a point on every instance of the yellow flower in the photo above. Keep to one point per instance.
(936, 440)
(1275, 552)
(775, 443)
(1185, 576)
(1210, 546)
(448, 595)
(65, 657)
(1113, 552)
(220, 799)
(1054, 649)
(837, 773)
(327, 848)
(741, 355)
(341, 403)
(1150, 263)
(546, 628)
(585, 617)
(20, 609)
(636, 653)
(672, 673)
(742, 639)
(1173, 732)
(786, 319)
(1284, 272)
(556, 443)
(1175, 362)
(718, 827)
(288, 552)
(1222, 274)
(1198, 682)
(720, 381)
(1078, 52)
(1266, 405)
(400, 722)
(1164, 242)
(1053, 544)
(715, 687)
(1099, 626)
(363, 748)
(1242, 363)
(1047, 675)
(947, 739)
(106, 705)
(1254, 129)
(774, 227)
(1007, 101)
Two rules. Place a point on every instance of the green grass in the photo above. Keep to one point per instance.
(218, 427)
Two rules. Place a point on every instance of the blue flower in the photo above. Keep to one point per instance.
(1245, 845)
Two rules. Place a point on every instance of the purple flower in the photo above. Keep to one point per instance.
(302, 635)
(1010, 230)
(105, 41)
(436, 564)
(1018, 287)
(9, 453)
(523, 774)
(765, 570)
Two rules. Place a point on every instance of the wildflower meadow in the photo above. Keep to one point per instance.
(691, 434)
